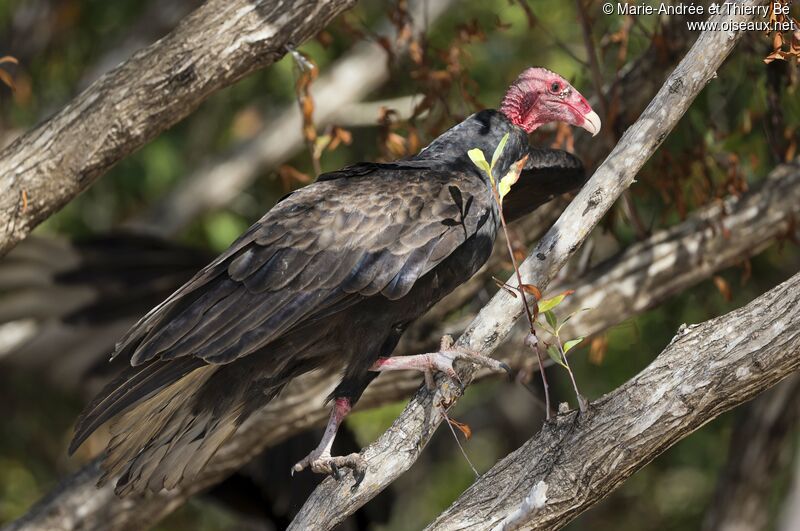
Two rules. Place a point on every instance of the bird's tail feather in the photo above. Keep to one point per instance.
(134, 385)
(161, 442)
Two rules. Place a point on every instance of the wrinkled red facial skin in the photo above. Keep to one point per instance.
(540, 96)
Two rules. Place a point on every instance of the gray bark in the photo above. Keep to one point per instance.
(706, 370)
(216, 45)
(397, 449)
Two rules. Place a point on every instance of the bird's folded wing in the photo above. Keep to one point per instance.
(326, 246)
(548, 173)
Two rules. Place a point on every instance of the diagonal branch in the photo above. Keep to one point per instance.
(397, 449)
(706, 370)
(218, 44)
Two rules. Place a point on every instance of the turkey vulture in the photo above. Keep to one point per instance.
(328, 279)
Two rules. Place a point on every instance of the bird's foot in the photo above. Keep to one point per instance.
(441, 361)
(324, 463)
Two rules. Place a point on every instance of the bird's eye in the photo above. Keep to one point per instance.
(555, 87)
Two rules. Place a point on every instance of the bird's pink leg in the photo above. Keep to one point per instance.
(441, 361)
(320, 459)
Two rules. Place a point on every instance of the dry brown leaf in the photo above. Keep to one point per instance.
(290, 175)
(723, 287)
(532, 290)
(463, 428)
(339, 135)
(7, 79)
(598, 349)
(500, 284)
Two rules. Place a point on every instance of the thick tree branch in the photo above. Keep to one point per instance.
(397, 449)
(216, 45)
(706, 370)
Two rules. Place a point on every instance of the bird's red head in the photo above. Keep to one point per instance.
(540, 96)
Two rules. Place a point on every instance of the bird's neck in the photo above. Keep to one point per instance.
(483, 130)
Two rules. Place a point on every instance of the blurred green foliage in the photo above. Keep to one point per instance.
(722, 135)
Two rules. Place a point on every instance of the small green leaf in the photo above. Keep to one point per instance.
(478, 159)
(552, 351)
(504, 188)
(552, 302)
(571, 343)
(551, 319)
(498, 151)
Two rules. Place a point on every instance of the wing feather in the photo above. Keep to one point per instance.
(322, 248)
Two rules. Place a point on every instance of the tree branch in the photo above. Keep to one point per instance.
(397, 449)
(706, 370)
(218, 44)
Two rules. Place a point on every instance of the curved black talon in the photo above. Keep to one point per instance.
(358, 476)
(508, 370)
(335, 472)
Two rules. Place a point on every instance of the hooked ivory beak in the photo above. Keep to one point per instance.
(591, 122)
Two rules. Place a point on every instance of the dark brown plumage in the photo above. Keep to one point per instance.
(329, 278)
